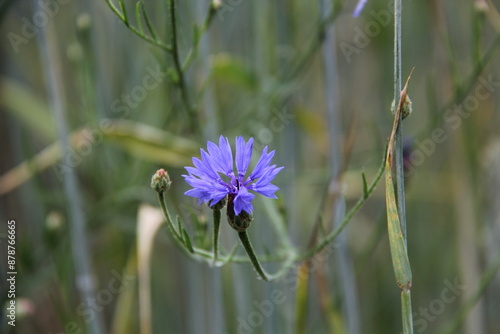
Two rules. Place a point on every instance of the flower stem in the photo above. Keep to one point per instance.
(216, 217)
(248, 248)
(168, 218)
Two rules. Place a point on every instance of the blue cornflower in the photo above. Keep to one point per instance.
(213, 177)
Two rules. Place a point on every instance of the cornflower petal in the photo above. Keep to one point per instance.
(243, 201)
(208, 186)
(264, 160)
(204, 167)
(265, 189)
(243, 155)
(220, 164)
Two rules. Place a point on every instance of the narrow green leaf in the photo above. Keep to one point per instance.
(138, 16)
(400, 261)
(365, 185)
(148, 23)
(124, 11)
(187, 241)
(179, 225)
(231, 255)
(196, 34)
(151, 143)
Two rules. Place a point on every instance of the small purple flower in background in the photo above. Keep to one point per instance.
(213, 178)
(359, 8)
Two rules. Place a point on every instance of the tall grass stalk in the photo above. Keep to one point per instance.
(85, 278)
(334, 121)
(400, 187)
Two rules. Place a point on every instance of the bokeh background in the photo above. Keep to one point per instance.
(314, 86)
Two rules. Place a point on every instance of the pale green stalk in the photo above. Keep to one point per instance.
(85, 278)
(398, 157)
(346, 276)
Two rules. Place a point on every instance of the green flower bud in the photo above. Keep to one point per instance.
(240, 222)
(407, 109)
(160, 182)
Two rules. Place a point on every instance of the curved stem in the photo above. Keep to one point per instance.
(216, 217)
(248, 248)
(168, 218)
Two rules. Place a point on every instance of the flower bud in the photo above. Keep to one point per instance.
(406, 107)
(240, 222)
(216, 4)
(160, 182)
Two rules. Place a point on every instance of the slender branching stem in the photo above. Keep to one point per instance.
(347, 218)
(248, 248)
(153, 40)
(196, 42)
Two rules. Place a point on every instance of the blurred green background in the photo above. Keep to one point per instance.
(313, 83)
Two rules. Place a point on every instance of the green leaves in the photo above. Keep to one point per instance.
(399, 254)
(400, 261)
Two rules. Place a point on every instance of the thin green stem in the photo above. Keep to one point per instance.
(347, 217)
(178, 68)
(136, 31)
(398, 154)
(398, 157)
(407, 314)
(168, 218)
(216, 218)
(248, 248)
(194, 50)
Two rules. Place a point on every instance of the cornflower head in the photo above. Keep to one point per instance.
(214, 179)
